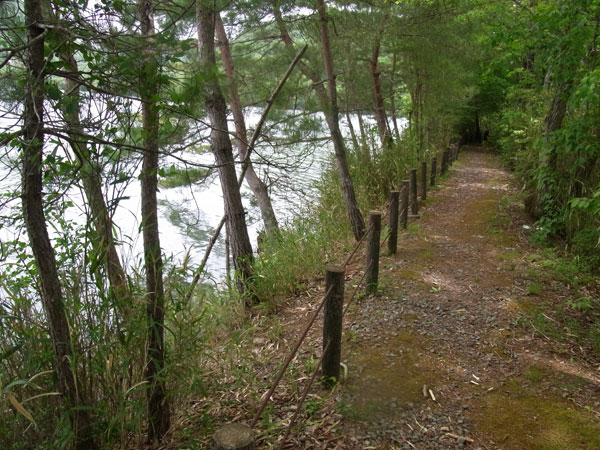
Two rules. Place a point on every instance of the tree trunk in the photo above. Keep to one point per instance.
(104, 245)
(259, 189)
(392, 100)
(328, 103)
(158, 407)
(356, 219)
(385, 135)
(418, 115)
(548, 158)
(477, 128)
(35, 223)
(241, 250)
(363, 138)
(352, 132)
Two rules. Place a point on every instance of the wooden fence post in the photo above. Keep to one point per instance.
(332, 325)
(393, 222)
(372, 270)
(414, 204)
(433, 170)
(404, 206)
(423, 180)
(445, 157)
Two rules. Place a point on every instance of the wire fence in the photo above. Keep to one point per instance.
(448, 157)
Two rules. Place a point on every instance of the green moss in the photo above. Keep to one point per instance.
(383, 384)
(534, 289)
(518, 419)
(523, 305)
(408, 274)
(509, 256)
(535, 373)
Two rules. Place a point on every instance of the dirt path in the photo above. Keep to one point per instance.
(442, 358)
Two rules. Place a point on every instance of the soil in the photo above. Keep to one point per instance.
(445, 355)
(447, 325)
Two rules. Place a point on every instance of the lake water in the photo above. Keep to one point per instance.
(189, 214)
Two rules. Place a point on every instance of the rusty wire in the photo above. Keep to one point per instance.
(290, 357)
(309, 325)
(303, 397)
(356, 289)
(288, 360)
(356, 247)
(316, 371)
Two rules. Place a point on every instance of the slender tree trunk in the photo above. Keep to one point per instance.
(392, 100)
(583, 173)
(159, 417)
(352, 132)
(104, 244)
(35, 222)
(356, 219)
(259, 189)
(363, 137)
(241, 250)
(548, 157)
(385, 136)
(477, 128)
(348, 87)
(328, 103)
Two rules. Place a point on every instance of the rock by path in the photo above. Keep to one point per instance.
(440, 359)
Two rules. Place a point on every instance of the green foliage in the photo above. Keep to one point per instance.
(585, 244)
(376, 173)
(442, 65)
(290, 260)
(547, 58)
(177, 177)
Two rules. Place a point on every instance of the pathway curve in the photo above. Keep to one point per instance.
(441, 358)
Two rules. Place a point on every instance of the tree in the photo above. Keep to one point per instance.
(258, 187)
(105, 245)
(328, 103)
(241, 249)
(158, 406)
(385, 134)
(35, 222)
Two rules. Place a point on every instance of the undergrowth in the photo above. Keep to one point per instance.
(209, 337)
(572, 315)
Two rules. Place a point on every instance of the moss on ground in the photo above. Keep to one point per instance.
(387, 384)
(517, 417)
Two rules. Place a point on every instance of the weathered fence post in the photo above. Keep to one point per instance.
(234, 436)
(433, 170)
(414, 204)
(423, 180)
(393, 222)
(445, 157)
(372, 271)
(332, 325)
(404, 205)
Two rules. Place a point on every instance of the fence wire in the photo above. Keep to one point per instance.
(309, 325)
